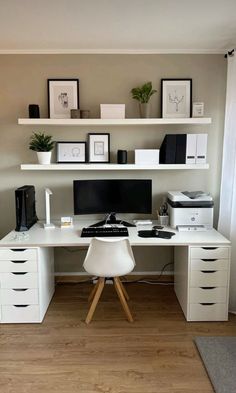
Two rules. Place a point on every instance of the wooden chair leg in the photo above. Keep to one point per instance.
(92, 293)
(96, 298)
(123, 289)
(122, 299)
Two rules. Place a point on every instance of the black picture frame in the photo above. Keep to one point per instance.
(65, 149)
(101, 142)
(186, 110)
(59, 105)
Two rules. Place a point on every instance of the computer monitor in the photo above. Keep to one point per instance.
(112, 196)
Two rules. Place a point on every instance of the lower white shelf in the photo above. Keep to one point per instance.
(109, 167)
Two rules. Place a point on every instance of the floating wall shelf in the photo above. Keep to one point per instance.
(113, 122)
(110, 167)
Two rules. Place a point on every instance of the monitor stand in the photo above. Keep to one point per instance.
(112, 220)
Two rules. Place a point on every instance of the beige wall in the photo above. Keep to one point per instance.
(103, 79)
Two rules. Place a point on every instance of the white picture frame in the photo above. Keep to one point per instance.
(63, 95)
(71, 152)
(99, 147)
(176, 98)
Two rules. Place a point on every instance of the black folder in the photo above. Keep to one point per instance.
(168, 149)
(173, 149)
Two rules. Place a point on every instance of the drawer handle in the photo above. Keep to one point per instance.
(19, 261)
(207, 288)
(207, 304)
(208, 271)
(20, 289)
(209, 260)
(18, 249)
(19, 273)
(209, 248)
(21, 305)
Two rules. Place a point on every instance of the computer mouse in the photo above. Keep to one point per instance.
(157, 227)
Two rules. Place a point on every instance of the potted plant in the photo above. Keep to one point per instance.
(143, 95)
(43, 145)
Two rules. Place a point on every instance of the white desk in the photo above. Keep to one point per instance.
(202, 262)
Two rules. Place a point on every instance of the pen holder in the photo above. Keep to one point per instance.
(163, 220)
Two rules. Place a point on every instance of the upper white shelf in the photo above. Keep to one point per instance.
(113, 122)
(109, 167)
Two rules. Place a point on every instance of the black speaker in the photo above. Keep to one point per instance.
(122, 156)
(34, 111)
(25, 208)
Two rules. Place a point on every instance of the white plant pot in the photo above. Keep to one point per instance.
(44, 157)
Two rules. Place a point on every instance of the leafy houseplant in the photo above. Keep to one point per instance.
(143, 95)
(43, 145)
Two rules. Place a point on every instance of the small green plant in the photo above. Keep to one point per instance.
(41, 142)
(143, 93)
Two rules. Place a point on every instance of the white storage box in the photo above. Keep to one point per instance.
(146, 156)
(112, 111)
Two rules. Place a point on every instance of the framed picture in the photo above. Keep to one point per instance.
(63, 95)
(99, 148)
(68, 152)
(176, 98)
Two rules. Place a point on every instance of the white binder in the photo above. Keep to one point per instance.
(201, 149)
(191, 148)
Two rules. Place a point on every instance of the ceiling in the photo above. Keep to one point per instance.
(117, 26)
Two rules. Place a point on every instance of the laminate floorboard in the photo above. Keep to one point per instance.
(155, 354)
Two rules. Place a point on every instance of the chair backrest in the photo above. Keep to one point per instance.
(109, 257)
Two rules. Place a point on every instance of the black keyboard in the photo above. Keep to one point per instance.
(104, 232)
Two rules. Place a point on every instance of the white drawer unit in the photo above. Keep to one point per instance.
(26, 284)
(209, 264)
(207, 278)
(208, 295)
(20, 314)
(19, 296)
(202, 282)
(18, 254)
(18, 266)
(208, 312)
(210, 252)
(19, 280)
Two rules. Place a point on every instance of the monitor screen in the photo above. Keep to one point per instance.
(107, 196)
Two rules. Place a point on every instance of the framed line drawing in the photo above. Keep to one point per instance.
(63, 95)
(99, 147)
(176, 98)
(68, 152)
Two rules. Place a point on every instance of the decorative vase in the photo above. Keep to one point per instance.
(44, 157)
(144, 109)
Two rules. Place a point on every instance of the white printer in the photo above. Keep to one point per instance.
(190, 210)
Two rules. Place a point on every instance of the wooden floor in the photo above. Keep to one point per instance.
(155, 354)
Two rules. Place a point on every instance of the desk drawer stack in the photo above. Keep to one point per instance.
(206, 270)
(26, 284)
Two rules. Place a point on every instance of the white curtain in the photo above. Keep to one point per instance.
(227, 215)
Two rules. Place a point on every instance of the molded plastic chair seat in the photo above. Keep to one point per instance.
(109, 258)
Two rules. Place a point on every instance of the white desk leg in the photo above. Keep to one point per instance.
(181, 275)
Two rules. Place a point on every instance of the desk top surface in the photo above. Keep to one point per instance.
(37, 236)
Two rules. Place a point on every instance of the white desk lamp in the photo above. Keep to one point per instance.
(48, 224)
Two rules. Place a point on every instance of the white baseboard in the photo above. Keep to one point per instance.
(147, 273)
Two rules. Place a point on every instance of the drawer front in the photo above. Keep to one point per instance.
(209, 278)
(209, 264)
(208, 295)
(18, 266)
(18, 254)
(19, 296)
(18, 314)
(208, 312)
(210, 252)
(18, 280)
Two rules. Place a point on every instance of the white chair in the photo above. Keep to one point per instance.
(109, 258)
